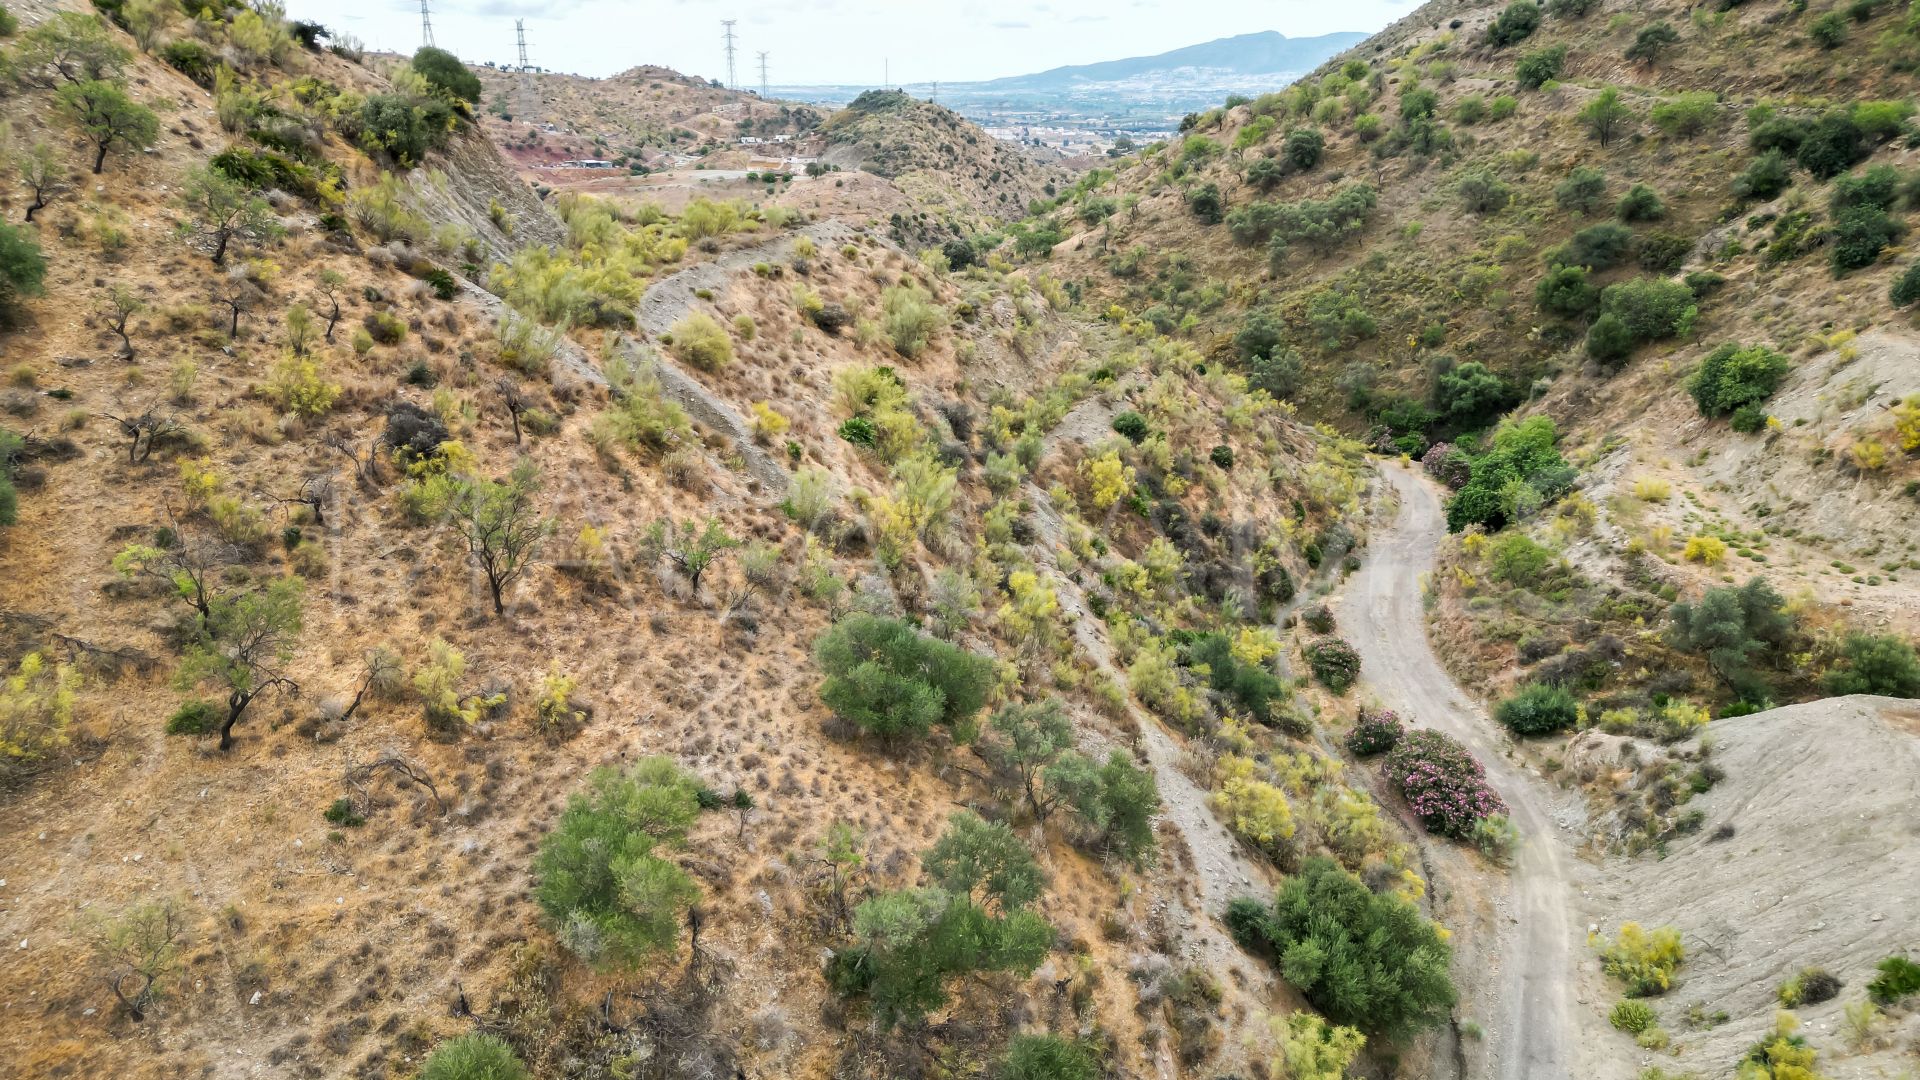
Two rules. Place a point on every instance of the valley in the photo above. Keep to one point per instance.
(1296, 558)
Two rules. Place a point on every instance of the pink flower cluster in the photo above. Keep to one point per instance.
(1375, 731)
(1443, 782)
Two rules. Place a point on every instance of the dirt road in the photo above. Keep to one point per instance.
(1530, 1023)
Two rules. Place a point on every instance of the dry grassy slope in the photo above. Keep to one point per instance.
(642, 106)
(317, 951)
(960, 177)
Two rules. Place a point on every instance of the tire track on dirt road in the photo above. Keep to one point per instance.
(1382, 613)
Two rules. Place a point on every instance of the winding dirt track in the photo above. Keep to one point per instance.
(1530, 1030)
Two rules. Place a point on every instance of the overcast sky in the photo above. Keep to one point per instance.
(835, 41)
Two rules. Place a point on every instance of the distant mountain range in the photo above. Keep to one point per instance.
(1266, 53)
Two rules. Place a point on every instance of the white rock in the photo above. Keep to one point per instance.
(255, 999)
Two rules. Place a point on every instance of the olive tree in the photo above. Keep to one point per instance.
(136, 950)
(107, 117)
(224, 211)
(500, 524)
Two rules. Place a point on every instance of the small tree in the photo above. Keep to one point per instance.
(107, 117)
(42, 173)
(23, 269)
(238, 294)
(225, 211)
(1606, 115)
(1732, 627)
(70, 47)
(501, 525)
(1651, 42)
(243, 647)
(691, 547)
(331, 282)
(1875, 664)
(118, 306)
(137, 950)
(1030, 738)
(1115, 801)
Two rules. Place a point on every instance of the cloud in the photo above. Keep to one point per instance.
(517, 9)
(1012, 24)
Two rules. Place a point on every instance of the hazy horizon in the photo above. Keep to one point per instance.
(845, 42)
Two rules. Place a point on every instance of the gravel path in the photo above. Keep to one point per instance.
(1382, 614)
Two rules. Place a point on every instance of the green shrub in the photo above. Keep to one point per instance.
(341, 812)
(1048, 1057)
(1444, 784)
(1222, 456)
(195, 718)
(605, 893)
(1652, 40)
(1764, 177)
(700, 340)
(1518, 559)
(1583, 191)
(1540, 67)
(1732, 628)
(1565, 291)
(446, 74)
(1538, 709)
(1831, 146)
(1829, 31)
(1809, 986)
(473, 1057)
(1643, 959)
(1685, 114)
(910, 318)
(1897, 977)
(1860, 233)
(1906, 290)
(1364, 959)
(1482, 192)
(1521, 472)
(1250, 686)
(1640, 203)
(1609, 341)
(1731, 376)
(1651, 308)
(1205, 203)
(1132, 425)
(1664, 253)
(22, 269)
(1632, 1016)
(1596, 247)
(1515, 24)
(890, 680)
(1334, 662)
(1882, 664)
(1302, 148)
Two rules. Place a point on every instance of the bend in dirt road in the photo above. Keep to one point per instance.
(1530, 1030)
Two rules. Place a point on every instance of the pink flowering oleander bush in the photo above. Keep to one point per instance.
(1448, 464)
(1443, 782)
(1334, 663)
(1376, 731)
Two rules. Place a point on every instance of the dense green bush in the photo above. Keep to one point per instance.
(1517, 23)
(1731, 376)
(1651, 308)
(1862, 227)
(1364, 959)
(1303, 148)
(1764, 177)
(1132, 425)
(1115, 801)
(1685, 114)
(1334, 662)
(605, 893)
(1482, 192)
(1609, 341)
(1540, 67)
(890, 680)
(1205, 203)
(1471, 394)
(1320, 224)
(1829, 31)
(1251, 687)
(1565, 291)
(1897, 977)
(1518, 559)
(972, 917)
(1733, 629)
(446, 74)
(1640, 203)
(1874, 664)
(1521, 472)
(1538, 709)
(22, 269)
(473, 1057)
(1906, 290)
(1650, 42)
(1048, 1057)
(1596, 247)
(1583, 191)
(1830, 146)
(402, 129)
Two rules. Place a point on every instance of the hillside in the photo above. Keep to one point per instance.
(363, 503)
(959, 178)
(1266, 53)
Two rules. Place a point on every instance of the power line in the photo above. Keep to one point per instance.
(529, 99)
(426, 25)
(733, 83)
(763, 77)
